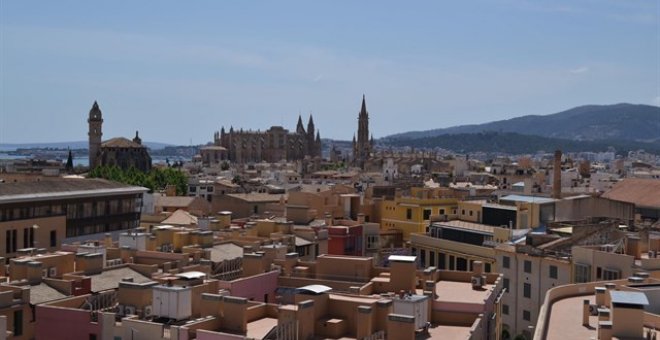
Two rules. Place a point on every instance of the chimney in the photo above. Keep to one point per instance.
(556, 178)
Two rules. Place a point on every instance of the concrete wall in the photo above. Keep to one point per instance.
(54, 322)
(347, 268)
(41, 234)
(581, 208)
(254, 287)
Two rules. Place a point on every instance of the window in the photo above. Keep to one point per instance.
(13, 240)
(452, 266)
(506, 262)
(553, 272)
(8, 242)
(505, 284)
(409, 213)
(487, 267)
(422, 257)
(255, 209)
(53, 238)
(427, 214)
(26, 237)
(527, 266)
(461, 264)
(470, 212)
(463, 212)
(442, 211)
(527, 316)
(18, 322)
(372, 241)
(582, 273)
(527, 290)
(505, 309)
(611, 274)
(431, 258)
(413, 251)
(441, 260)
(599, 273)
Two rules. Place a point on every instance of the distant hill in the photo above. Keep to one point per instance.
(592, 122)
(71, 145)
(514, 143)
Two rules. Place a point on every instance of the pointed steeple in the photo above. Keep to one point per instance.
(95, 113)
(318, 135)
(299, 127)
(69, 163)
(363, 110)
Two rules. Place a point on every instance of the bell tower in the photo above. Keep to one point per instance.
(95, 134)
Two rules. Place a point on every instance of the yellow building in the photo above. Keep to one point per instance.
(412, 214)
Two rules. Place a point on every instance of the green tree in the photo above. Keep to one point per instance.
(156, 179)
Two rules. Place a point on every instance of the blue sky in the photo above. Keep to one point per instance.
(177, 71)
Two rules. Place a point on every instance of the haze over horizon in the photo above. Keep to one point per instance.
(178, 72)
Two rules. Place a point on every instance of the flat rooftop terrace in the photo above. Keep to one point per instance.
(258, 329)
(566, 319)
(461, 292)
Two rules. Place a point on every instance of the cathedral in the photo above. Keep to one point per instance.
(122, 152)
(272, 145)
(363, 147)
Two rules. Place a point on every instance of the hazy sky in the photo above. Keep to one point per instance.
(178, 71)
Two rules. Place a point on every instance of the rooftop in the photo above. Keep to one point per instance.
(174, 201)
(109, 279)
(641, 192)
(62, 189)
(456, 224)
(527, 199)
(461, 292)
(226, 251)
(180, 217)
(44, 293)
(121, 142)
(257, 197)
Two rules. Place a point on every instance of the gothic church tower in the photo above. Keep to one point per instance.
(363, 146)
(95, 122)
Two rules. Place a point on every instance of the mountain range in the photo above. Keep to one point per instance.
(618, 122)
(70, 145)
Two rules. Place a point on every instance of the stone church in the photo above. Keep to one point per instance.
(120, 151)
(272, 145)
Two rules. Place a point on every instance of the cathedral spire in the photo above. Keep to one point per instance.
(299, 127)
(310, 125)
(363, 110)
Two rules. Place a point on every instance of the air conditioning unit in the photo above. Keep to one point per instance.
(130, 310)
(477, 282)
(593, 310)
(120, 310)
(148, 311)
(52, 272)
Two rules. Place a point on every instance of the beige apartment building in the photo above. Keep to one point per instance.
(528, 273)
